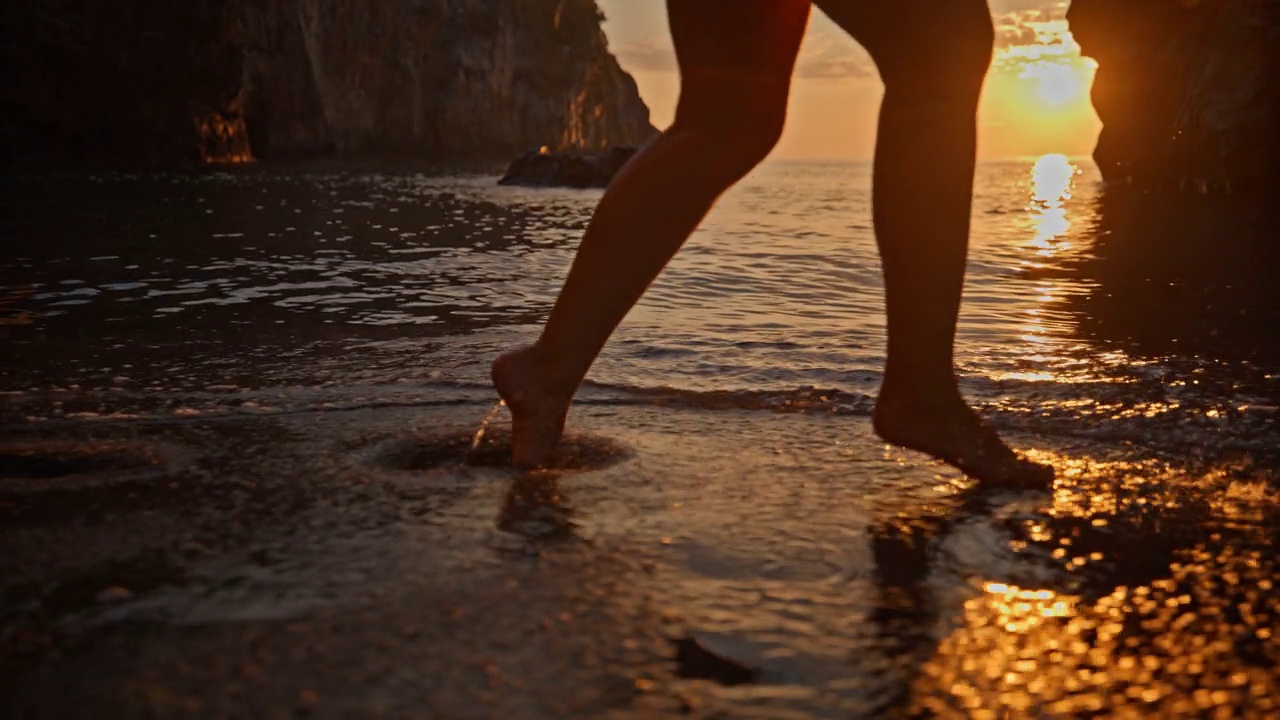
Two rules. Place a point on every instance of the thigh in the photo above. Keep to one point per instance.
(730, 48)
(911, 38)
(746, 38)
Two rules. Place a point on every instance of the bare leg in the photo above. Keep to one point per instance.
(933, 57)
(736, 58)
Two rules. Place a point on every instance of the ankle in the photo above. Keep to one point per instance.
(929, 386)
(554, 369)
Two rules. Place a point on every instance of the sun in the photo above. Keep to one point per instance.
(1057, 84)
(1036, 99)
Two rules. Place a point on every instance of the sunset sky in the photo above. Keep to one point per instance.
(1036, 100)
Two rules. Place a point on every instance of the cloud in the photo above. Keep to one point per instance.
(651, 56)
(829, 54)
(847, 67)
(823, 58)
(1034, 38)
(1001, 7)
(1031, 26)
(1011, 31)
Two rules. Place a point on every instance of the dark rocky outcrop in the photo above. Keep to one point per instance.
(542, 168)
(1173, 273)
(1188, 90)
(159, 82)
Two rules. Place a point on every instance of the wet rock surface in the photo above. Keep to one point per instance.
(696, 661)
(537, 168)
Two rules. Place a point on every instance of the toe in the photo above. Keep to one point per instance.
(1022, 473)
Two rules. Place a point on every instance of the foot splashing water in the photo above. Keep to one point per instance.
(484, 425)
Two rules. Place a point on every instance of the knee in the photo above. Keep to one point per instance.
(733, 138)
(747, 142)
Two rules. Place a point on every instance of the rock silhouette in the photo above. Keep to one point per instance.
(1188, 92)
(542, 168)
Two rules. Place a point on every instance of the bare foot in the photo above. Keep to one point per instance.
(537, 410)
(946, 428)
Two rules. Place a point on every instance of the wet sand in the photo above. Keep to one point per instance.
(365, 563)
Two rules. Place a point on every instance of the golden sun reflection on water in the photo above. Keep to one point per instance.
(1144, 621)
(1020, 609)
(1052, 182)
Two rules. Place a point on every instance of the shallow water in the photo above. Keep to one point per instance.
(232, 282)
(285, 329)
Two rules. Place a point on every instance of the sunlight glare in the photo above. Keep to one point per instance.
(1056, 84)
(1051, 180)
(1040, 89)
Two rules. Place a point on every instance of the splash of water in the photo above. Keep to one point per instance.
(484, 424)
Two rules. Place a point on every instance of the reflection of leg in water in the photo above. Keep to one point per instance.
(905, 616)
(933, 57)
(735, 59)
(536, 509)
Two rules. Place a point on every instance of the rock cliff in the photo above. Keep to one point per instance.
(156, 81)
(1188, 90)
